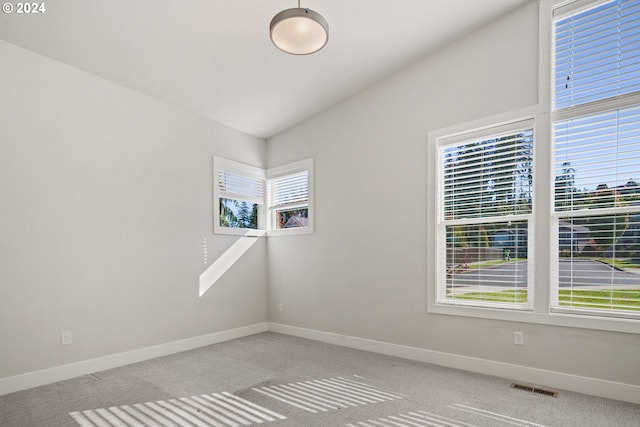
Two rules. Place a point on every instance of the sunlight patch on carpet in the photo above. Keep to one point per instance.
(327, 394)
(217, 409)
(418, 418)
(429, 419)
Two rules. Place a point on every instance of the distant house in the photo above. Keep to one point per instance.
(573, 239)
(295, 222)
(630, 188)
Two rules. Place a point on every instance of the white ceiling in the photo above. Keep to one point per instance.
(214, 57)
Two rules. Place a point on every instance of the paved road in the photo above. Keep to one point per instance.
(581, 272)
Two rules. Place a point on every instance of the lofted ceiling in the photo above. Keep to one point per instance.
(214, 57)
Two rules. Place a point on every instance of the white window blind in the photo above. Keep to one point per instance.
(597, 205)
(596, 139)
(236, 185)
(597, 53)
(486, 190)
(597, 160)
(290, 190)
(489, 177)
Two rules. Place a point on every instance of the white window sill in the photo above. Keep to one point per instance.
(555, 319)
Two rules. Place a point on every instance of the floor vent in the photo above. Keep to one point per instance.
(533, 389)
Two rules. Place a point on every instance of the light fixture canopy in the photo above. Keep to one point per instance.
(299, 31)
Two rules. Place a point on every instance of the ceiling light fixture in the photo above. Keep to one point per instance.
(299, 31)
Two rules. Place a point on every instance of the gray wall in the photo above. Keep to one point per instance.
(364, 271)
(106, 202)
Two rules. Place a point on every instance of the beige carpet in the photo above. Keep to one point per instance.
(278, 380)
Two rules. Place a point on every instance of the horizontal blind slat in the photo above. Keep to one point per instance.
(290, 189)
(483, 178)
(243, 187)
(602, 152)
(591, 48)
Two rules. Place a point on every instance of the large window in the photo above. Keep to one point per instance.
(539, 220)
(485, 206)
(596, 135)
(250, 200)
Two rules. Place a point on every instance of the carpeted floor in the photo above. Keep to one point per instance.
(278, 380)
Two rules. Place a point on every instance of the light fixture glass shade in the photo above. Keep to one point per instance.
(299, 31)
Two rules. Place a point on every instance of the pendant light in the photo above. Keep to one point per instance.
(299, 31)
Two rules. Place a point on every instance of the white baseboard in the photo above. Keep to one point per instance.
(559, 380)
(64, 372)
(533, 376)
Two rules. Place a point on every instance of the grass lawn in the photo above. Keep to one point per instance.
(623, 299)
(484, 264)
(517, 296)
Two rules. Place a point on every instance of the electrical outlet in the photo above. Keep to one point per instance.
(280, 307)
(518, 338)
(65, 338)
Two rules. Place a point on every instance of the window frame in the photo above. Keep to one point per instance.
(474, 135)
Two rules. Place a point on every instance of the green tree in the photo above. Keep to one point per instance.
(244, 217)
(465, 184)
(227, 216)
(565, 186)
(253, 219)
(504, 175)
(489, 177)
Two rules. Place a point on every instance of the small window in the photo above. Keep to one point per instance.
(250, 200)
(289, 200)
(485, 206)
(239, 193)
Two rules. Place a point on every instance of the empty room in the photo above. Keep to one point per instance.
(325, 213)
